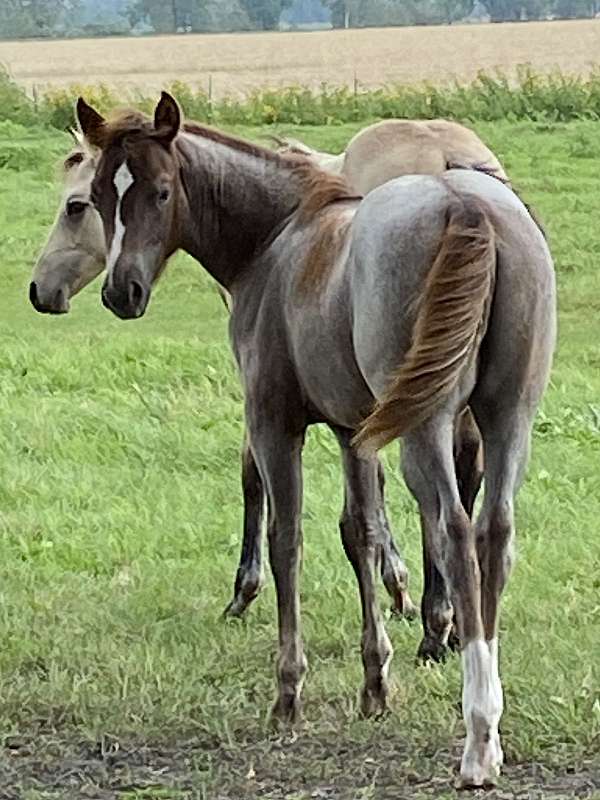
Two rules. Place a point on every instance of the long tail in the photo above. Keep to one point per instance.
(449, 325)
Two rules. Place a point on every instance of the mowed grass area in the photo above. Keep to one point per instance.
(120, 521)
(238, 63)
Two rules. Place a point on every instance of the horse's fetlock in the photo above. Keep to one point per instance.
(291, 672)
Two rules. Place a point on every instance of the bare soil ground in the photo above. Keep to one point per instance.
(303, 768)
(241, 62)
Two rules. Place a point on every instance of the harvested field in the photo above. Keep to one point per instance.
(239, 63)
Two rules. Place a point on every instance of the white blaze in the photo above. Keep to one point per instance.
(482, 709)
(122, 181)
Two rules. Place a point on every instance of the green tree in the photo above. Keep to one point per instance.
(452, 10)
(32, 17)
(503, 10)
(162, 15)
(265, 14)
(570, 9)
(349, 13)
(219, 15)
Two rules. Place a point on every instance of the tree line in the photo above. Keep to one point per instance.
(22, 18)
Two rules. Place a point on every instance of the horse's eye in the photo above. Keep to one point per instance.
(75, 208)
(163, 195)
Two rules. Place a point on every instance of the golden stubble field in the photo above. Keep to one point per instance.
(240, 62)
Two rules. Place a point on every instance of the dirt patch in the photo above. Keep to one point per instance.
(305, 768)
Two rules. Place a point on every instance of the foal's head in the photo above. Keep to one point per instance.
(74, 251)
(136, 190)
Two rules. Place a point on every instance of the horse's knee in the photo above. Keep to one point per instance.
(459, 533)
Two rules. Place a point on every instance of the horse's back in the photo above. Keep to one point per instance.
(393, 148)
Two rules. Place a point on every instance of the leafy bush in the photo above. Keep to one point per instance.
(553, 97)
(14, 103)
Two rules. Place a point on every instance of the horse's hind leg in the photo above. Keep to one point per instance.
(394, 573)
(430, 474)
(361, 537)
(250, 576)
(506, 434)
(439, 632)
(437, 613)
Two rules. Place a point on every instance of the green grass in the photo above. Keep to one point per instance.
(120, 520)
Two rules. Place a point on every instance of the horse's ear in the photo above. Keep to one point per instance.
(167, 118)
(92, 124)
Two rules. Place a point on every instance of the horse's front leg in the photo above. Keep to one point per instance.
(278, 457)
(361, 537)
(249, 578)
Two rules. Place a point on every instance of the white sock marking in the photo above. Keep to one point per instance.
(482, 709)
(122, 181)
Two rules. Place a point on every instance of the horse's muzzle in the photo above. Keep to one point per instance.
(49, 303)
(128, 302)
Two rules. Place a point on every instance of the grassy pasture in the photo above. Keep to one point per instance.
(120, 519)
(238, 63)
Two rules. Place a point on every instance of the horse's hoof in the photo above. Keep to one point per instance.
(286, 711)
(373, 703)
(476, 780)
(405, 608)
(466, 784)
(432, 650)
(481, 765)
(453, 641)
(236, 609)
(247, 588)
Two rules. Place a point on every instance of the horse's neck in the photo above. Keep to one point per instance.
(235, 202)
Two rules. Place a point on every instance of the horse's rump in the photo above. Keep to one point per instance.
(450, 323)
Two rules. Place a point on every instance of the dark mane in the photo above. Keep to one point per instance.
(319, 188)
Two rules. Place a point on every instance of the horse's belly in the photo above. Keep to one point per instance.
(332, 383)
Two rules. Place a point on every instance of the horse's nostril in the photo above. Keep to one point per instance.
(59, 300)
(136, 293)
(33, 298)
